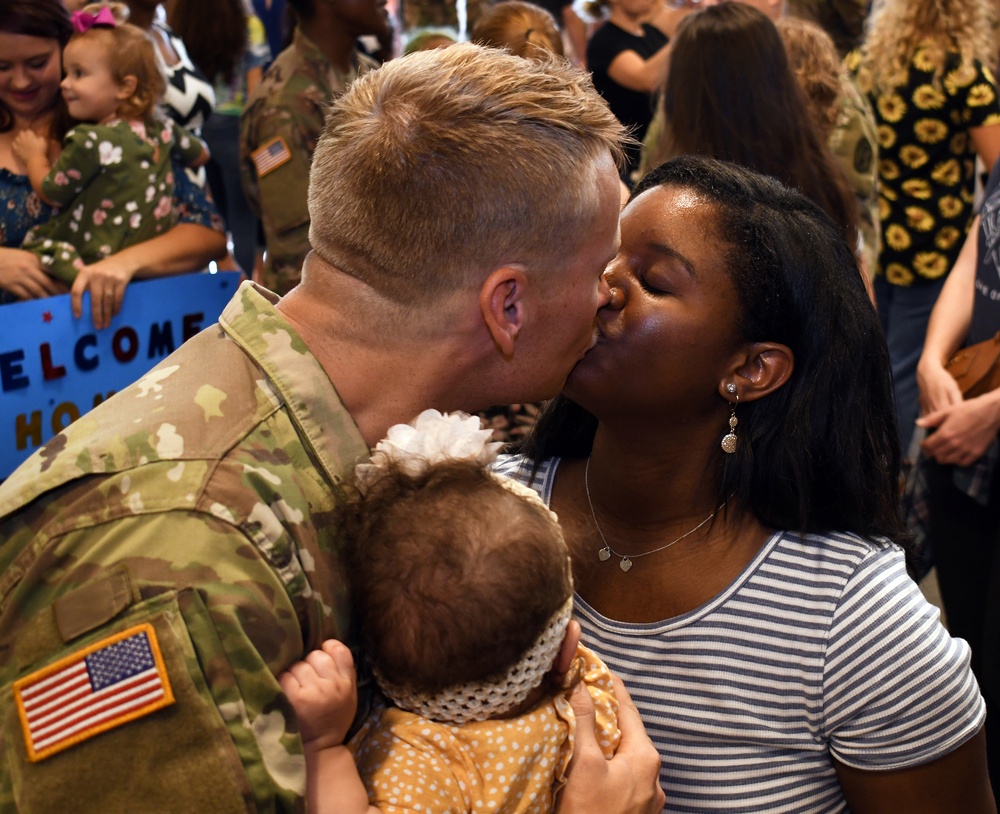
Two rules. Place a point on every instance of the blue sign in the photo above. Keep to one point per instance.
(54, 368)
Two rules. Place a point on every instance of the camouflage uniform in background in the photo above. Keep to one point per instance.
(843, 20)
(419, 14)
(854, 143)
(287, 110)
(196, 503)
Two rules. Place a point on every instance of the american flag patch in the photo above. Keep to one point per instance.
(270, 156)
(98, 688)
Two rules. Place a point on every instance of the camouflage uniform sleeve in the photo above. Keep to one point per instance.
(291, 127)
(223, 625)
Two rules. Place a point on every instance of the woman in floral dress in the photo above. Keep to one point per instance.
(925, 68)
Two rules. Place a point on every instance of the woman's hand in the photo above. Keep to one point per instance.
(629, 783)
(106, 280)
(22, 274)
(962, 431)
(938, 389)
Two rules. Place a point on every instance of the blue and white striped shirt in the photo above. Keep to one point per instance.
(823, 647)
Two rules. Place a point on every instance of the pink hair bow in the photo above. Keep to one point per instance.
(84, 21)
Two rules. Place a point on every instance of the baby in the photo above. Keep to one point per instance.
(113, 180)
(464, 593)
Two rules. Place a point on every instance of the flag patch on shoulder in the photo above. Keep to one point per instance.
(97, 688)
(270, 156)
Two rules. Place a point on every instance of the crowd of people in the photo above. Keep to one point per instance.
(698, 267)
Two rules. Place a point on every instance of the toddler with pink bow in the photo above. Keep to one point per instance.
(113, 181)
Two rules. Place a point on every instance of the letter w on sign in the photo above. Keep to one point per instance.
(97, 688)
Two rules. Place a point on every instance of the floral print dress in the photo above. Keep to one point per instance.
(927, 160)
(114, 186)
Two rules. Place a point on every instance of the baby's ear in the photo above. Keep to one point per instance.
(567, 651)
(126, 88)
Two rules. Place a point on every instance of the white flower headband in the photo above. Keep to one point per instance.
(434, 437)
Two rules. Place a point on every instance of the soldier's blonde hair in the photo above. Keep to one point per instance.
(442, 165)
(897, 28)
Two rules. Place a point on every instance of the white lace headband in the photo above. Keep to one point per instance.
(495, 696)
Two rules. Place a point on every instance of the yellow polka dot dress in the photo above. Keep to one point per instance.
(411, 764)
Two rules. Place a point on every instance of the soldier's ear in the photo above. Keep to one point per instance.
(501, 301)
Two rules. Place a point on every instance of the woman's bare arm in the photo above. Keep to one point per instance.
(186, 247)
(959, 781)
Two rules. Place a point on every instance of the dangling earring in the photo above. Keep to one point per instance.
(729, 440)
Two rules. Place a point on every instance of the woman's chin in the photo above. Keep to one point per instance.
(582, 379)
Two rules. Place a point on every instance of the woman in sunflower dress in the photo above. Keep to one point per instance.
(924, 66)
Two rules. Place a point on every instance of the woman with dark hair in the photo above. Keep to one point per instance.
(32, 36)
(724, 464)
(190, 98)
(230, 47)
(31, 39)
(731, 94)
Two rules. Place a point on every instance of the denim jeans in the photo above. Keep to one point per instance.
(905, 312)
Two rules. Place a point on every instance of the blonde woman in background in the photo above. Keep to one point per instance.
(925, 67)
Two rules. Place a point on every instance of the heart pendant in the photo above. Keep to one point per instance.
(604, 554)
(625, 564)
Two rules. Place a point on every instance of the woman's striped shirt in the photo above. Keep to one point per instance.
(822, 648)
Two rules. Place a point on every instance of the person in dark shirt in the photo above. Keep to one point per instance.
(627, 58)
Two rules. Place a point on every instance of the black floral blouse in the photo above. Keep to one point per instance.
(927, 160)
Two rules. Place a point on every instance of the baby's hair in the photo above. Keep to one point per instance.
(453, 576)
(130, 54)
(523, 29)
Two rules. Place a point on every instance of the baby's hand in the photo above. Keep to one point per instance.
(28, 144)
(323, 690)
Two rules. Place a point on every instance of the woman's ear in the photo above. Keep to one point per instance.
(501, 300)
(765, 367)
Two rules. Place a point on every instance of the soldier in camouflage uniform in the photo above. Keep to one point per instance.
(171, 552)
(284, 117)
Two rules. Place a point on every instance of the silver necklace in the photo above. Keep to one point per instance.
(626, 559)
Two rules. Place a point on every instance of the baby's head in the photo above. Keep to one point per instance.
(110, 65)
(456, 575)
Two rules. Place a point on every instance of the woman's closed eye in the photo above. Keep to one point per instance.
(655, 284)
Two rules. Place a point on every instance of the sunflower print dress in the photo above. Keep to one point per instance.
(927, 160)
